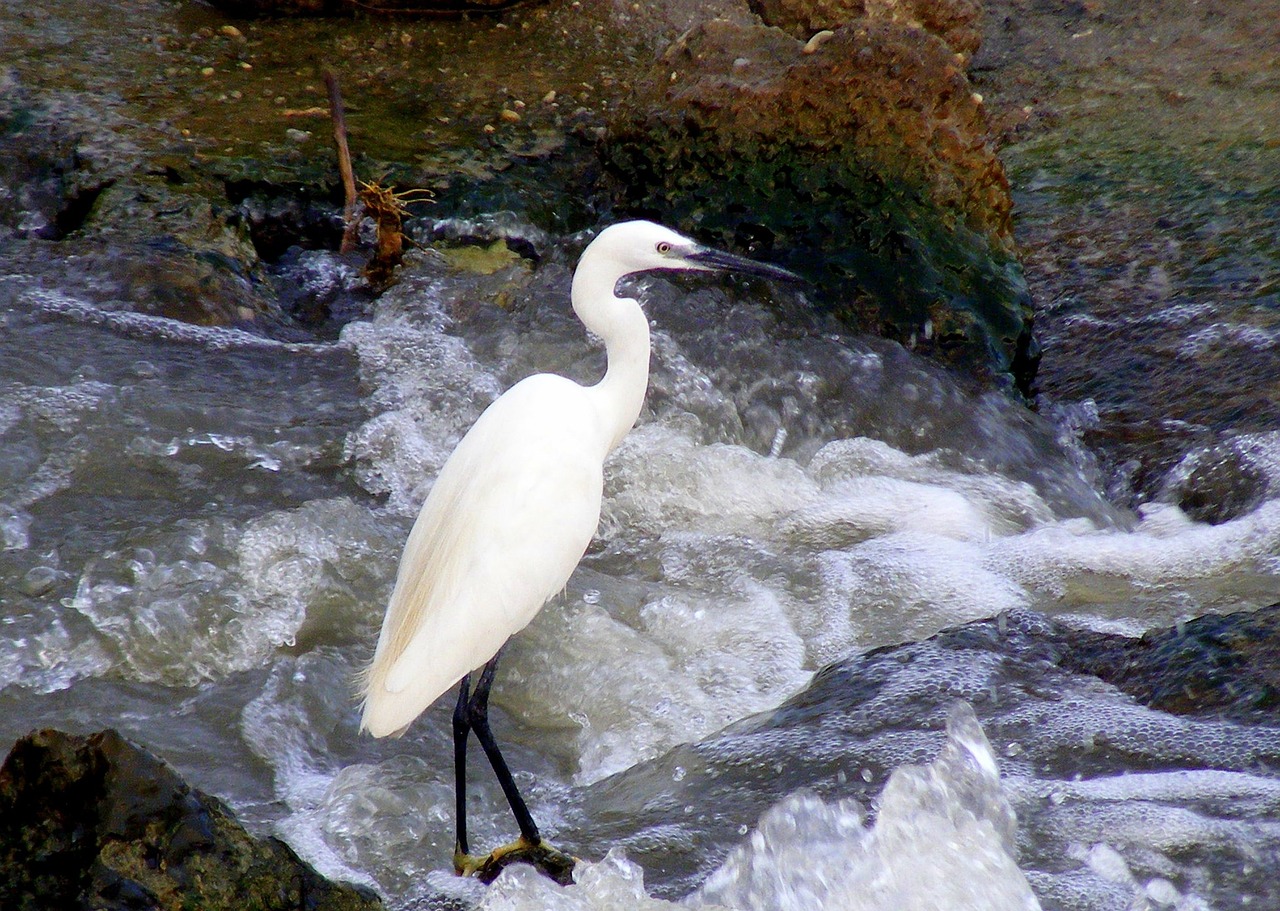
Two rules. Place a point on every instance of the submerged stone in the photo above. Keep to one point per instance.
(96, 822)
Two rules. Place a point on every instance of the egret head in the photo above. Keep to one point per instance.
(642, 246)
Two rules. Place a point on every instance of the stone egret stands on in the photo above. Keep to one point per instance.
(510, 516)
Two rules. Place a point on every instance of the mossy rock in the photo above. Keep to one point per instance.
(865, 163)
(97, 822)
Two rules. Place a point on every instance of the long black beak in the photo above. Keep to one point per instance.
(709, 258)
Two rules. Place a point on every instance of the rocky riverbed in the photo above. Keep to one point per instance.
(845, 507)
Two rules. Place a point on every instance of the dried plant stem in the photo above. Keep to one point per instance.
(349, 218)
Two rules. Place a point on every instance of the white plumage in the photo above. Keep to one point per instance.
(507, 521)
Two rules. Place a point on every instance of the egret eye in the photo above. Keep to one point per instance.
(663, 247)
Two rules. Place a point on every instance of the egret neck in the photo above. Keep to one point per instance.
(621, 322)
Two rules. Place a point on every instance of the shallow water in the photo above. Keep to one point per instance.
(202, 527)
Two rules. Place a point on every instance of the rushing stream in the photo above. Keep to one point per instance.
(200, 529)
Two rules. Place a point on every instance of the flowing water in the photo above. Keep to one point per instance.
(201, 526)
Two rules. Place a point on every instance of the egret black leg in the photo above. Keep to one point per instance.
(478, 720)
(472, 714)
(461, 728)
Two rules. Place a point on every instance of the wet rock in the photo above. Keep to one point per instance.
(170, 252)
(321, 289)
(868, 161)
(51, 172)
(1222, 481)
(96, 822)
(1056, 702)
(957, 22)
(1226, 665)
(1167, 328)
(133, 230)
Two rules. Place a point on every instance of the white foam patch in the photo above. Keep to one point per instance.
(613, 884)
(903, 587)
(206, 600)
(659, 479)
(1182, 785)
(39, 653)
(863, 508)
(992, 505)
(1170, 565)
(687, 668)
(942, 839)
(427, 390)
(317, 566)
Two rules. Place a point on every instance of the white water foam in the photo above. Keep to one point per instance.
(723, 577)
(207, 599)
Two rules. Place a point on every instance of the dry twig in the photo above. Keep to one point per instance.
(349, 219)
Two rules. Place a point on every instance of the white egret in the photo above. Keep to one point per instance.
(510, 516)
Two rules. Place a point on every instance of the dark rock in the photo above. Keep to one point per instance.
(48, 180)
(1226, 665)
(868, 161)
(96, 822)
(1218, 483)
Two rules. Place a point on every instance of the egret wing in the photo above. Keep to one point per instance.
(509, 518)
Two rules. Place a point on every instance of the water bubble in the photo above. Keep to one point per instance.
(591, 596)
(15, 531)
(678, 774)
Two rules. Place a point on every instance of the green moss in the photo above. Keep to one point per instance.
(885, 257)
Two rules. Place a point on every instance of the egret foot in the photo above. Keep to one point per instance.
(550, 862)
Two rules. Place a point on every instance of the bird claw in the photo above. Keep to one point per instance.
(550, 862)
